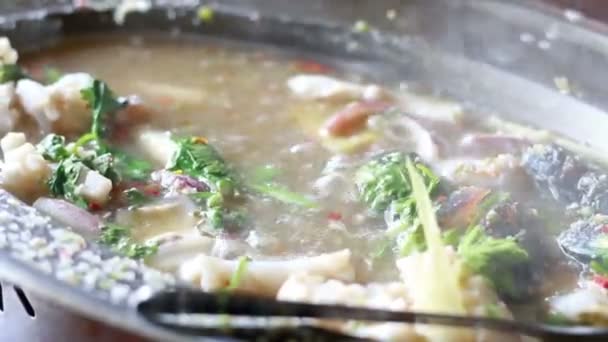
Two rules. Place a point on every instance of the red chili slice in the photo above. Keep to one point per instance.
(94, 206)
(312, 67)
(601, 280)
(334, 216)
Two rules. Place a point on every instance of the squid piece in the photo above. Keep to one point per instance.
(430, 108)
(168, 214)
(157, 145)
(9, 115)
(319, 87)
(263, 277)
(317, 289)
(477, 296)
(175, 248)
(24, 172)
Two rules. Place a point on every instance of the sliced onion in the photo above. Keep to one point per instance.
(83, 222)
(491, 144)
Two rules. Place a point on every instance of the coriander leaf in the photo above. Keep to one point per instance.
(136, 197)
(385, 179)
(64, 180)
(282, 194)
(196, 158)
(119, 239)
(11, 73)
(53, 148)
(103, 104)
(130, 167)
(104, 164)
(498, 259)
(264, 174)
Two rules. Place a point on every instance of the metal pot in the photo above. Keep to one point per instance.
(500, 57)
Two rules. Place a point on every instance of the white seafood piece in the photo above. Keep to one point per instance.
(8, 114)
(168, 214)
(588, 304)
(157, 145)
(174, 249)
(477, 296)
(34, 99)
(303, 287)
(319, 87)
(94, 187)
(179, 93)
(24, 172)
(425, 145)
(264, 277)
(66, 108)
(424, 107)
(8, 55)
(58, 107)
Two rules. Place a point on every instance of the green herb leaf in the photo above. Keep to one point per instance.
(282, 194)
(495, 258)
(130, 167)
(237, 277)
(136, 197)
(53, 148)
(265, 174)
(599, 265)
(51, 75)
(119, 239)
(11, 73)
(64, 180)
(385, 179)
(198, 159)
(103, 104)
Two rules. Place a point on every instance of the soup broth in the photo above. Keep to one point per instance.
(316, 157)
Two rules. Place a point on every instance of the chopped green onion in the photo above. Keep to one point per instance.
(206, 14)
(282, 194)
(239, 273)
(361, 26)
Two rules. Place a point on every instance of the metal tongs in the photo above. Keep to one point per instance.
(171, 310)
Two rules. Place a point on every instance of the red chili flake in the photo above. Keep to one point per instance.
(442, 198)
(165, 101)
(334, 216)
(312, 67)
(601, 281)
(94, 206)
(605, 228)
(151, 190)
